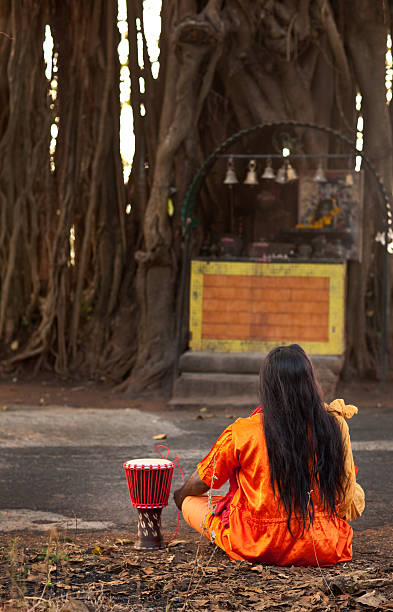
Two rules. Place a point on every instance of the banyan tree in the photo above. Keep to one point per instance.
(90, 266)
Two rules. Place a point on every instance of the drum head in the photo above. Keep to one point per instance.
(149, 462)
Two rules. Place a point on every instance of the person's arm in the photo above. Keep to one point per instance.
(193, 486)
(216, 467)
(352, 503)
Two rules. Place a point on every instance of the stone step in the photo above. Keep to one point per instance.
(230, 403)
(203, 385)
(204, 361)
(221, 378)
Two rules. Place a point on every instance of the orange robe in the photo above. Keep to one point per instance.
(257, 528)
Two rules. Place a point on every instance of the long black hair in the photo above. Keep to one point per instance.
(304, 442)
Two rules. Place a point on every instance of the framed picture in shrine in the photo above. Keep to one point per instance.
(334, 209)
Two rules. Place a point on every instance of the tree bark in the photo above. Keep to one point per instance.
(87, 289)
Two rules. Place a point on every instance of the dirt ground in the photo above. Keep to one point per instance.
(81, 572)
(50, 390)
(75, 572)
(58, 392)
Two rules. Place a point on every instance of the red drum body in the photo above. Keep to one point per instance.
(149, 484)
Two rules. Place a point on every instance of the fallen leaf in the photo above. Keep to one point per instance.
(43, 568)
(62, 585)
(4, 407)
(204, 409)
(129, 563)
(74, 605)
(97, 550)
(257, 568)
(159, 437)
(123, 541)
(371, 599)
(176, 543)
(283, 575)
(253, 589)
(33, 577)
(343, 597)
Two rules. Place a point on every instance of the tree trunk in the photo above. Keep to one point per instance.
(87, 289)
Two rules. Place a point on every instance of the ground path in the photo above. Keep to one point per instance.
(61, 452)
(63, 445)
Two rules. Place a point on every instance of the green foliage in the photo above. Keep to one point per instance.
(52, 557)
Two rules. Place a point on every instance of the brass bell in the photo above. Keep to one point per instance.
(268, 173)
(348, 180)
(291, 172)
(230, 177)
(251, 178)
(319, 176)
(282, 174)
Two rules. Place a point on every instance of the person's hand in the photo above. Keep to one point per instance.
(178, 497)
(193, 486)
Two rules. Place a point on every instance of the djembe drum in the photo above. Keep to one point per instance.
(149, 484)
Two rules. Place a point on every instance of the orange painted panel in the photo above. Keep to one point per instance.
(274, 308)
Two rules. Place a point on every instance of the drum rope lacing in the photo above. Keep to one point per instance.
(176, 461)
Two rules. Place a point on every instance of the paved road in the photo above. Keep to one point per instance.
(61, 465)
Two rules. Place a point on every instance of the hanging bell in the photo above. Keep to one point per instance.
(282, 174)
(230, 177)
(319, 176)
(348, 180)
(268, 172)
(251, 178)
(291, 173)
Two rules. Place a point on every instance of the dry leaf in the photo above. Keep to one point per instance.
(343, 597)
(371, 599)
(97, 551)
(204, 409)
(62, 585)
(253, 589)
(74, 605)
(176, 543)
(159, 437)
(4, 407)
(123, 541)
(43, 568)
(34, 577)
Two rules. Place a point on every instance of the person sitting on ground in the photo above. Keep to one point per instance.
(291, 474)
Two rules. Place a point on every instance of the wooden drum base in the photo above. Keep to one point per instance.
(149, 529)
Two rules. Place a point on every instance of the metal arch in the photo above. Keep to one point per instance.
(189, 200)
(189, 206)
